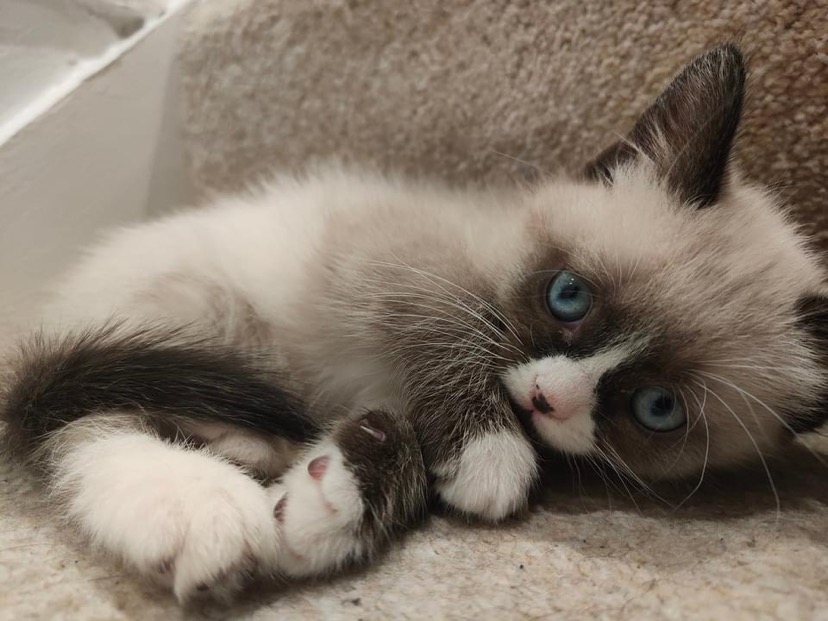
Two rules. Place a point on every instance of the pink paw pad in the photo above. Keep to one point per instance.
(318, 466)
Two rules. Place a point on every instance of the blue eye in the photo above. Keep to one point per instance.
(568, 297)
(657, 409)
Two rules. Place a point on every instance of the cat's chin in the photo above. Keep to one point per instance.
(547, 452)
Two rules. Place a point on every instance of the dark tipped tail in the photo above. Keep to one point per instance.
(55, 381)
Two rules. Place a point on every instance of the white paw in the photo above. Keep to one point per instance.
(320, 510)
(492, 478)
(189, 519)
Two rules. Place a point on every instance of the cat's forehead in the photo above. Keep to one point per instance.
(636, 232)
(715, 277)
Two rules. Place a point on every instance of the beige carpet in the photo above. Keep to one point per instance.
(460, 90)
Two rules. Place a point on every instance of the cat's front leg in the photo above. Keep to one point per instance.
(349, 494)
(483, 464)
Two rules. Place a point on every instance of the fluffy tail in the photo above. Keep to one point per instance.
(157, 374)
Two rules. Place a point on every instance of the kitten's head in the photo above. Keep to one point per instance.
(672, 314)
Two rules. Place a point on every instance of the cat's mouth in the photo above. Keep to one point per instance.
(525, 418)
(562, 435)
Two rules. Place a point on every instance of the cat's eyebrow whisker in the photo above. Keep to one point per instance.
(758, 451)
(453, 301)
(434, 323)
(429, 276)
(479, 357)
(414, 299)
(459, 345)
(497, 313)
(408, 298)
(467, 364)
(458, 338)
(490, 308)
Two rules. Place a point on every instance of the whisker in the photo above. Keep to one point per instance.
(631, 474)
(618, 469)
(703, 417)
(687, 430)
(440, 314)
(430, 276)
(574, 464)
(758, 451)
(600, 469)
(747, 394)
(741, 394)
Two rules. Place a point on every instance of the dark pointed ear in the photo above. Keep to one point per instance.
(688, 131)
(813, 316)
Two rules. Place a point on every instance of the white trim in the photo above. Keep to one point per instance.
(84, 69)
(102, 149)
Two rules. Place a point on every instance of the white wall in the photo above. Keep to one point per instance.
(81, 157)
(41, 42)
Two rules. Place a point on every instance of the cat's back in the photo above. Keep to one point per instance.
(257, 246)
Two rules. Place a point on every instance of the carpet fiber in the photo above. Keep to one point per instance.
(492, 90)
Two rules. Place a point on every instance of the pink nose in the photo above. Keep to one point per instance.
(542, 405)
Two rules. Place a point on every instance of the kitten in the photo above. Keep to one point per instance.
(274, 384)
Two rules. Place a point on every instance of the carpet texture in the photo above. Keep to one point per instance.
(492, 90)
(489, 89)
